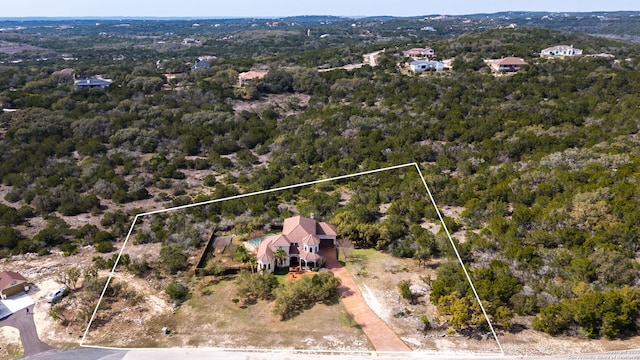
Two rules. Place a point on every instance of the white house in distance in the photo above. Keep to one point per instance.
(426, 65)
(560, 50)
(302, 240)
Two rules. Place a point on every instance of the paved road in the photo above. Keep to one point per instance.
(82, 354)
(378, 332)
(28, 334)
(212, 353)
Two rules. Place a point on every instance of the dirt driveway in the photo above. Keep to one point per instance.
(378, 332)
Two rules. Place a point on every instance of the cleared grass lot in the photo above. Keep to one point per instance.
(211, 319)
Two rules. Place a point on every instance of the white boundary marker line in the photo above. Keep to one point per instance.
(288, 187)
(421, 354)
(466, 273)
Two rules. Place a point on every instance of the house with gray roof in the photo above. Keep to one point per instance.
(92, 83)
(201, 65)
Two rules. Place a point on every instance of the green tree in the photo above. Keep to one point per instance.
(173, 258)
(279, 256)
(404, 287)
(177, 291)
(295, 297)
(253, 286)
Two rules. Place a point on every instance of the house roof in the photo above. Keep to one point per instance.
(201, 65)
(7, 279)
(251, 75)
(419, 50)
(264, 253)
(311, 240)
(92, 82)
(296, 229)
(560, 47)
(326, 229)
(305, 224)
(280, 240)
(426, 62)
(307, 256)
(66, 71)
(510, 60)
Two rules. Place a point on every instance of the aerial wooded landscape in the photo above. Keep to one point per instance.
(535, 169)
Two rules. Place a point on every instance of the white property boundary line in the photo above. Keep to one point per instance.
(414, 164)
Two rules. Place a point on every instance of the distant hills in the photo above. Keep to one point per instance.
(316, 18)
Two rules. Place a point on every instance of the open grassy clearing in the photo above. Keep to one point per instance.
(211, 318)
(377, 274)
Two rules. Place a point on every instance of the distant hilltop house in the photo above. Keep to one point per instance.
(202, 64)
(245, 77)
(302, 240)
(608, 57)
(92, 83)
(12, 283)
(64, 72)
(207, 57)
(172, 75)
(426, 65)
(507, 64)
(420, 52)
(560, 50)
(190, 41)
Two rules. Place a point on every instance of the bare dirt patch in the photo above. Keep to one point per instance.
(288, 102)
(11, 347)
(11, 48)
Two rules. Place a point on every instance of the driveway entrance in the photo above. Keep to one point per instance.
(378, 332)
(23, 321)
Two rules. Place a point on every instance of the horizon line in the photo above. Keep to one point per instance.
(240, 17)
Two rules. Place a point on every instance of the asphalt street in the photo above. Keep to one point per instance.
(23, 321)
(226, 354)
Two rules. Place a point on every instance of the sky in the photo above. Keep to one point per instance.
(280, 8)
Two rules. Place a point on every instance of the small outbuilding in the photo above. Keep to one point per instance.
(12, 283)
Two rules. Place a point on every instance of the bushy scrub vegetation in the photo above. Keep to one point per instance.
(542, 164)
(295, 297)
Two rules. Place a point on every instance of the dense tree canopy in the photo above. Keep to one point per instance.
(542, 164)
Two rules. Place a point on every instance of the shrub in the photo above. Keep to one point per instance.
(177, 291)
(103, 247)
(68, 248)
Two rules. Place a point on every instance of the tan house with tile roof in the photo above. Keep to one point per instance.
(245, 77)
(420, 52)
(12, 283)
(507, 64)
(302, 239)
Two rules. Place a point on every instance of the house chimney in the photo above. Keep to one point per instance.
(312, 215)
